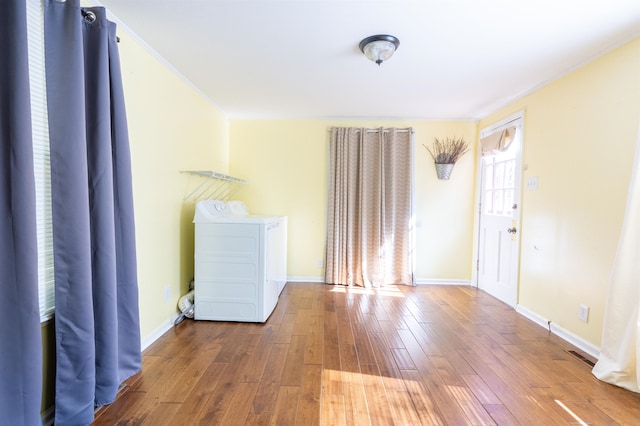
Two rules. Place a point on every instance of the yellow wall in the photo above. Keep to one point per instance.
(580, 134)
(285, 162)
(171, 128)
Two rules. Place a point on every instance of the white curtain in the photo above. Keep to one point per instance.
(370, 207)
(619, 354)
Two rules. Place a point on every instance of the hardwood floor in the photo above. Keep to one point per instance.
(442, 355)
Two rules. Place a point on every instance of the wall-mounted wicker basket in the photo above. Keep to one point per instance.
(445, 153)
(444, 170)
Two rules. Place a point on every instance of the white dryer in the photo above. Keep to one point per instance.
(240, 262)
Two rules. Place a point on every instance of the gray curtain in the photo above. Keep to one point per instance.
(370, 207)
(96, 312)
(20, 341)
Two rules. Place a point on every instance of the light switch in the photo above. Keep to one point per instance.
(531, 183)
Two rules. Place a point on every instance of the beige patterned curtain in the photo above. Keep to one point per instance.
(370, 207)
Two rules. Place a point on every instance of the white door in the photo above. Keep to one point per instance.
(499, 221)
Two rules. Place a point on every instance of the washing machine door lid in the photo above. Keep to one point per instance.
(237, 208)
(209, 210)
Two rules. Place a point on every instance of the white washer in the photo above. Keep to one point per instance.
(240, 262)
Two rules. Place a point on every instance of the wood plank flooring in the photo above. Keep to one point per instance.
(332, 355)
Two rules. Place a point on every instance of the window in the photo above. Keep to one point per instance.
(41, 158)
(500, 183)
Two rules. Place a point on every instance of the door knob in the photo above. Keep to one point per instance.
(512, 230)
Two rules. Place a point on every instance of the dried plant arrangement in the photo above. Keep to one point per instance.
(448, 150)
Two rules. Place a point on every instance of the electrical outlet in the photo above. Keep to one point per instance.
(583, 315)
(319, 263)
(531, 184)
(167, 294)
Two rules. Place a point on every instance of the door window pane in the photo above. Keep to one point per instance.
(499, 184)
(508, 202)
(499, 178)
(498, 200)
(510, 174)
(488, 202)
(489, 177)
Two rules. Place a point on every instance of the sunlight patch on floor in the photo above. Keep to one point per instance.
(571, 413)
(390, 291)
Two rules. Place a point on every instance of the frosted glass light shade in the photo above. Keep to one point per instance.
(379, 48)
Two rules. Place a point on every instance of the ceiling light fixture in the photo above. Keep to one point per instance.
(379, 47)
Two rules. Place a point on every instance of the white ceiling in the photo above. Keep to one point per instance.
(458, 59)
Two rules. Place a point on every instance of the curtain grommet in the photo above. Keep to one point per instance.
(88, 16)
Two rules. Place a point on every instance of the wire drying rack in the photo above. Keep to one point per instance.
(214, 186)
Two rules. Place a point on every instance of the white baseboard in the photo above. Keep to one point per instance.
(305, 279)
(564, 334)
(423, 281)
(158, 332)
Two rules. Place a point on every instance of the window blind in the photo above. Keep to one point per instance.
(41, 156)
